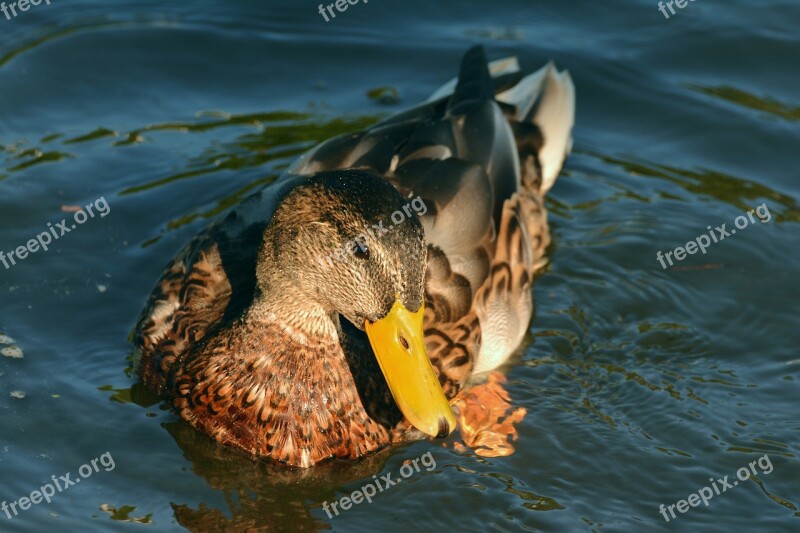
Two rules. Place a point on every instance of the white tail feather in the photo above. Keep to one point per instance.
(525, 93)
(555, 117)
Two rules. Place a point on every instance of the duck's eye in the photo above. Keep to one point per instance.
(361, 252)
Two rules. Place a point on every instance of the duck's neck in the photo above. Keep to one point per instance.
(301, 317)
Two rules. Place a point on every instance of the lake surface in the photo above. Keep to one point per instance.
(640, 383)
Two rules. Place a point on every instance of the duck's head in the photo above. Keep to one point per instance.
(347, 243)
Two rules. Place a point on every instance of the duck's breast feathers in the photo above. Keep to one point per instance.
(210, 280)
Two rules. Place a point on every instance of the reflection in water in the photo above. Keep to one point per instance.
(51, 36)
(123, 514)
(485, 419)
(32, 156)
(745, 99)
(261, 493)
(711, 183)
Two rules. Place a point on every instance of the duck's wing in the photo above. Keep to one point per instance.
(481, 153)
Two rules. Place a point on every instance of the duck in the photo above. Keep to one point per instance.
(339, 310)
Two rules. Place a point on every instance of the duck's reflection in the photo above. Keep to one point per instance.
(262, 495)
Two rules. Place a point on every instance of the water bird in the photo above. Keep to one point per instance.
(252, 341)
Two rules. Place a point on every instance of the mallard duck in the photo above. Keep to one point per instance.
(315, 322)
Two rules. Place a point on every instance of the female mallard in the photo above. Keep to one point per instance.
(243, 333)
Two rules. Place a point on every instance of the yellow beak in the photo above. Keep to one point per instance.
(399, 345)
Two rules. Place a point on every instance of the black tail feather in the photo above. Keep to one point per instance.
(474, 81)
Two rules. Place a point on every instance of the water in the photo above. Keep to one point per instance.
(640, 383)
